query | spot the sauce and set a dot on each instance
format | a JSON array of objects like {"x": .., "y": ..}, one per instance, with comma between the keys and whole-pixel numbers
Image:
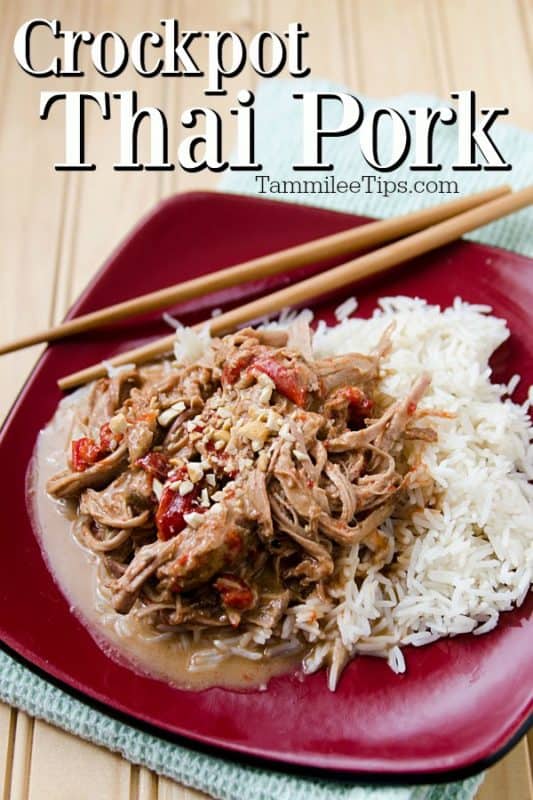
[{"x": 74, "y": 569}]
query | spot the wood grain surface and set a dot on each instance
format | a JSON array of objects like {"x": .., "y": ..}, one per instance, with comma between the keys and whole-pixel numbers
[{"x": 57, "y": 228}]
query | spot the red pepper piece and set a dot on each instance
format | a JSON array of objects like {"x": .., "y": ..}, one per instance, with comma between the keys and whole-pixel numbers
[
  {"x": 234, "y": 591},
  {"x": 285, "y": 379},
  {"x": 233, "y": 368},
  {"x": 84, "y": 452},
  {"x": 171, "y": 511},
  {"x": 155, "y": 464},
  {"x": 107, "y": 437}
]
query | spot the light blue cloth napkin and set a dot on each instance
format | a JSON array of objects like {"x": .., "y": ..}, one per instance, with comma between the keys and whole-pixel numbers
[
  {"x": 218, "y": 777},
  {"x": 278, "y": 145}
]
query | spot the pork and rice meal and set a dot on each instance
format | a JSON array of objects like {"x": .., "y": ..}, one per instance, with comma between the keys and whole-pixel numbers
[{"x": 278, "y": 493}]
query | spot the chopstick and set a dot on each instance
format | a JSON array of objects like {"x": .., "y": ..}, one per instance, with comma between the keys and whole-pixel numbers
[
  {"x": 333, "y": 246},
  {"x": 369, "y": 264}
]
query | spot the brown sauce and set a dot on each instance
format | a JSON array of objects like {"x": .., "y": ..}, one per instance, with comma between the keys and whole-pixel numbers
[{"x": 74, "y": 569}]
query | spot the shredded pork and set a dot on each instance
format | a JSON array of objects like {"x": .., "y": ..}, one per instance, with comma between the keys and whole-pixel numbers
[{"x": 221, "y": 493}]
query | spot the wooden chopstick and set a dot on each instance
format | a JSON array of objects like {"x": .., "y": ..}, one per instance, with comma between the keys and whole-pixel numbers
[
  {"x": 369, "y": 264},
  {"x": 338, "y": 244}
]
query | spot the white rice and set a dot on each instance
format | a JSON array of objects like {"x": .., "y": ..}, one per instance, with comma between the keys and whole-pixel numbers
[
  {"x": 346, "y": 309},
  {"x": 113, "y": 371},
  {"x": 467, "y": 561},
  {"x": 190, "y": 345}
]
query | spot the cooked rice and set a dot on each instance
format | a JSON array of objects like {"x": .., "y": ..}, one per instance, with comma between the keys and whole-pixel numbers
[
  {"x": 172, "y": 321},
  {"x": 346, "y": 309},
  {"x": 467, "y": 560}
]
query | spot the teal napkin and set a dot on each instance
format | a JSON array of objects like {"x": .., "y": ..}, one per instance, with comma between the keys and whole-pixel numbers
[
  {"x": 279, "y": 145},
  {"x": 219, "y": 777}
]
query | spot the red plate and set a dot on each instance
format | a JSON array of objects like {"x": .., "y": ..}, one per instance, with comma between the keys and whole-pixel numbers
[{"x": 462, "y": 702}]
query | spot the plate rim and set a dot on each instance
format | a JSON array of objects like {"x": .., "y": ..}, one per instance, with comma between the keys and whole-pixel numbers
[{"x": 236, "y": 754}]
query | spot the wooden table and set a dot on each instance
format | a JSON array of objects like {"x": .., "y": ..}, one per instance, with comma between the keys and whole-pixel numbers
[{"x": 57, "y": 228}]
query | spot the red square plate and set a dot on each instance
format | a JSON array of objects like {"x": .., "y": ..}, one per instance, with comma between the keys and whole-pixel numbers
[{"x": 462, "y": 703}]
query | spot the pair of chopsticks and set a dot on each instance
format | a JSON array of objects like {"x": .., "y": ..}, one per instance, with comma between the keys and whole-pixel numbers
[{"x": 423, "y": 231}]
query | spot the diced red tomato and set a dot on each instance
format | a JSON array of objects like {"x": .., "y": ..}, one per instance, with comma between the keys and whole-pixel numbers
[
  {"x": 155, "y": 464},
  {"x": 411, "y": 408},
  {"x": 234, "y": 591},
  {"x": 170, "y": 514},
  {"x": 285, "y": 379}
]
